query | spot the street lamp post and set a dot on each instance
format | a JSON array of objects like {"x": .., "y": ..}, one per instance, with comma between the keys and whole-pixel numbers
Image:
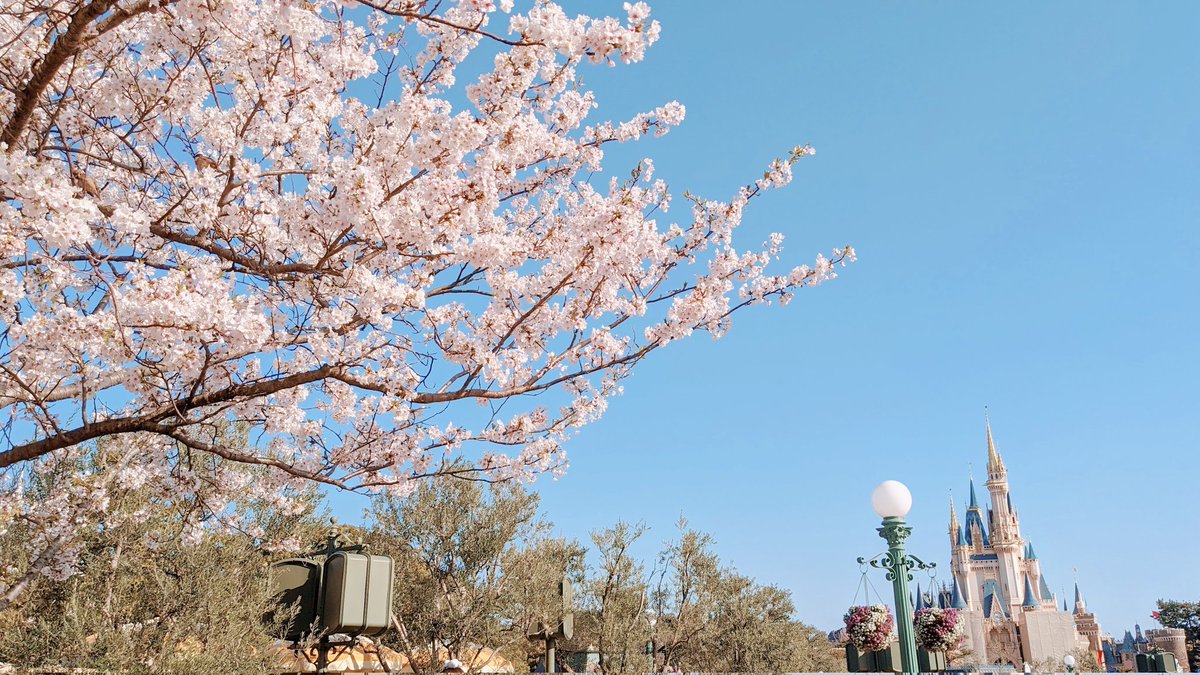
[
  {"x": 651, "y": 648},
  {"x": 892, "y": 501}
]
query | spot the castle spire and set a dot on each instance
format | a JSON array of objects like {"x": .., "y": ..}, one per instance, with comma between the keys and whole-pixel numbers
[
  {"x": 995, "y": 462},
  {"x": 953, "y": 516},
  {"x": 1080, "y": 605},
  {"x": 977, "y": 534},
  {"x": 1030, "y": 599},
  {"x": 956, "y": 598}
]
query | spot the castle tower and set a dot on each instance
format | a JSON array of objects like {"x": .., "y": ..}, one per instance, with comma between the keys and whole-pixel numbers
[
  {"x": 1005, "y": 526},
  {"x": 1086, "y": 625},
  {"x": 977, "y": 535},
  {"x": 1005, "y": 529},
  {"x": 1172, "y": 640}
]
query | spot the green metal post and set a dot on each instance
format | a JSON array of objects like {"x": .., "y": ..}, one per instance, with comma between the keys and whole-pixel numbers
[{"x": 895, "y": 531}]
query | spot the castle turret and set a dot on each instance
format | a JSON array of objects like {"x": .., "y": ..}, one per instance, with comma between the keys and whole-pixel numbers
[
  {"x": 1044, "y": 590},
  {"x": 1031, "y": 601},
  {"x": 1086, "y": 625},
  {"x": 1172, "y": 640},
  {"x": 977, "y": 534},
  {"x": 956, "y": 598}
]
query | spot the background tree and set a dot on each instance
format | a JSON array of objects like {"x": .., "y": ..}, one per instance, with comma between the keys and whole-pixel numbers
[
  {"x": 1085, "y": 662},
  {"x": 1185, "y": 615},
  {"x": 475, "y": 567},
  {"x": 684, "y": 599},
  {"x": 532, "y": 599},
  {"x": 709, "y": 618},
  {"x": 616, "y": 600},
  {"x": 813, "y": 652},
  {"x": 256, "y": 212},
  {"x": 753, "y": 626},
  {"x": 152, "y": 591}
]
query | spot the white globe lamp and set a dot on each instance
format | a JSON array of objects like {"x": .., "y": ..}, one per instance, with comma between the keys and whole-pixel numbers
[
  {"x": 1069, "y": 662},
  {"x": 891, "y": 499}
]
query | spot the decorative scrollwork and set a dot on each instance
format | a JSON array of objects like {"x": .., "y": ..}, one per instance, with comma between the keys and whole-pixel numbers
[{"x": 905, "y": 564}]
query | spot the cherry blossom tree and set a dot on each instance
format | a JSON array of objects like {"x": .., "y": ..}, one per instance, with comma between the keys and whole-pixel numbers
[{"x": 282, "y": 233}]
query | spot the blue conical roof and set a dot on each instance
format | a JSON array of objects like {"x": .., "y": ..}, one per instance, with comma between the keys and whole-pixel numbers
[
  {"x": 919, "y": 604},
  {"x": 1030, "y": 598},
  {"x": 956, "y": 598},
  {"x": 974, "y": 502},
  {"x": 962, "y": 540},
  {"x": 973, "y": 516},
  {"x": 1029, "y": 552}
]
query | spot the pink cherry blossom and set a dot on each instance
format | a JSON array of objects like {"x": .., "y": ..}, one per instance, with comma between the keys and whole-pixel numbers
[{"x": 248, "y": 247}]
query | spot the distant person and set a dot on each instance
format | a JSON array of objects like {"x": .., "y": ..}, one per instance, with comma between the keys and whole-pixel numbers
[{"x": 453, "y": 667}]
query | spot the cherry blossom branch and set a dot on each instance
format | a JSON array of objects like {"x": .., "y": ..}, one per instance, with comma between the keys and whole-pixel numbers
[{"x": 429, "y": 17}]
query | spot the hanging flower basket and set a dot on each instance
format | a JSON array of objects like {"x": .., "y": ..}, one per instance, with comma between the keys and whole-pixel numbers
[
  {"x": 937, "y": 630},
  {"x": 869, "y": 627}
]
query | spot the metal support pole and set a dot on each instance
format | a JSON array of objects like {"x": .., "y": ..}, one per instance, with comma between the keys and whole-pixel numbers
[
  {"x": 323, "y": 655},
  {"x": 550, "y": 660},
  {"x": 895, "y": 531}
]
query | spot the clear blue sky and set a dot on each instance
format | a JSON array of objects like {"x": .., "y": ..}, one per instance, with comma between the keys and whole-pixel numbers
[{"x": 1021, "y": 186}]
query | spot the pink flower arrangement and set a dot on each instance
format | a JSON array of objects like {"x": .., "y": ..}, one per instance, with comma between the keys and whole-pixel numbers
[
  {"x": 937, "y": 629},
  {"x": 869, "y": 627}
]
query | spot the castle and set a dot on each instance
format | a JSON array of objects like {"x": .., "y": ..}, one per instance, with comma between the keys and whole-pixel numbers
[
  {"x": 1121, "y": 656},
  {"x": 1009, "y": 614}
]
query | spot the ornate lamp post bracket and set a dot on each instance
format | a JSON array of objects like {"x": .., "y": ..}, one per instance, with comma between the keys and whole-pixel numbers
[{"x": 907, "y": 563}]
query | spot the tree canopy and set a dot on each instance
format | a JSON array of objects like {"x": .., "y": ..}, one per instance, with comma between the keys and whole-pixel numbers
[{"x": 477, "y": 567}]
